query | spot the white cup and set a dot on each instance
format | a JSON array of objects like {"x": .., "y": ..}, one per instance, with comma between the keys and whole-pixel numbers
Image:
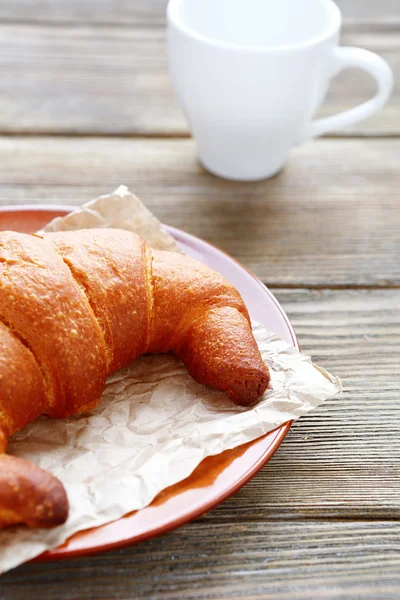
[{"x": 250, "y": 75}]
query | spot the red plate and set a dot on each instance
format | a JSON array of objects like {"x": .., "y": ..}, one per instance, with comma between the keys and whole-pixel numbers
[{"x": 217, "y": 477}]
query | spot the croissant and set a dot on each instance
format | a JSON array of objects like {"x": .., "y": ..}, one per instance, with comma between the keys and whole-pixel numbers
[{"x": 77, "y": 306}]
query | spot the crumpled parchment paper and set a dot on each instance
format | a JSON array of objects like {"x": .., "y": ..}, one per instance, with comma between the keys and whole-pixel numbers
[{"x": 153, "y": 424}]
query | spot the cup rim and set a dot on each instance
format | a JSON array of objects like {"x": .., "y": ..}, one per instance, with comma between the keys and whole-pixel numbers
[{"x": 174, "y": 18}]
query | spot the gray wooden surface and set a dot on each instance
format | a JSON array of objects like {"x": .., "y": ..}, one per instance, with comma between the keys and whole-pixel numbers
[
  {"x": 99, "y": 67},
  {"x": 86, "y": 104},
  {"x": 331, "y": 218}
]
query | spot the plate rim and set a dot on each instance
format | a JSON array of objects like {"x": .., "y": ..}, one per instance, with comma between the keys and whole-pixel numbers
[{"x": 280, "y": 432}]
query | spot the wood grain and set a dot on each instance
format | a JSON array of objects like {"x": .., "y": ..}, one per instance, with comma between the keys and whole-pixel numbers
[
  {"x": 322, "y": 519},
  {"x": 210, "y": 561},
  {"x": 84, "y": 80},
  {"x": 288, "y": 533},
  {"x": 343, "y": 460},
  {"x": 126, "y": 13},
  {"x": 139, "y": 13},
  {"x": 112, "y": 80},
  {"x": 331, "y": 218},
  {"x": 353, "y": 86}
]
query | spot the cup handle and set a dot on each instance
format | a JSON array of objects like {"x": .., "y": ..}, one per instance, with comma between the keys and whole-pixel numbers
[{"x": 346, "y": 57}]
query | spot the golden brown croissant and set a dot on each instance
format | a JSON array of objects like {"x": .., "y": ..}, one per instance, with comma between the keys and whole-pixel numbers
[{"x": 77, "y": 306}]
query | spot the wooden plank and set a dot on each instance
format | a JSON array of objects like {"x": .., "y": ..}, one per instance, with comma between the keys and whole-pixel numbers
[
  {"x": 81, "y": 80},
  {"x": 353, "y": 87},
  {"x": 369, "y": 12},
  {"x": 343, "y": 460},
  {"x": 152, "y": 12},
  {"x": 287, "y": 534},
  {"x": 139, "y": 13},
  {"x": 331, "y": 218},
  {"x": 274, "y": 560},
  {"x": 113, "y": 80}
]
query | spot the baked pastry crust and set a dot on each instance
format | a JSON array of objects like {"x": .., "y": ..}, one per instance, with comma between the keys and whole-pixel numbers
[{"x": 77, "y": 306}]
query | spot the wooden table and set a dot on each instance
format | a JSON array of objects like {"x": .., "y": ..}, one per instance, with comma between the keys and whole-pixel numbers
[{"x": 86, "y": 104}]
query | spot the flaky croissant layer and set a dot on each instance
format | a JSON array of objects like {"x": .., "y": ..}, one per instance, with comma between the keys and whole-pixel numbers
[{"x": 77, "y": 306}]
